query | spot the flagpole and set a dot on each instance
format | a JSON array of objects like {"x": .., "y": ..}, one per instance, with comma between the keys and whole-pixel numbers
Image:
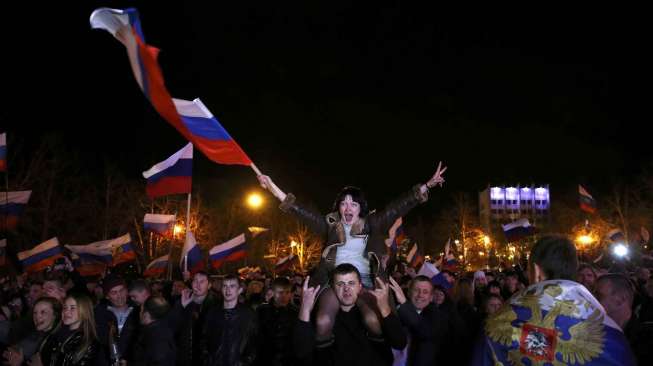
[
  {"x": 187, "y": 230},
  {"x": 255, "y": 169}
]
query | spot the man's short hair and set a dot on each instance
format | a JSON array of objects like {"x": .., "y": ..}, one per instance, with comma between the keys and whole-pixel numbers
[
  {"x": 201, "y": 273},
  {"x": 231, "y": 277},
  {"x": 619, "y": 285},
  {"x": 556, "y": 256},
  {"x": 281, "y": 282},
  {"x": 343, "y": 269},
  {"x": 139, "y": 285},
  {"x": 156, "y": 306},
  {"x": 583, "y": 266},
  {"x": 420, "y": 278}
]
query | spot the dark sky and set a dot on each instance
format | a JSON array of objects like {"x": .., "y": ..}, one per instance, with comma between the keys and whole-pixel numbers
[{"x": 326, "y": 94}]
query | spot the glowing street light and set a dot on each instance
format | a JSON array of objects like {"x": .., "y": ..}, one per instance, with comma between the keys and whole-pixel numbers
[
  {"x": 254, "y": 200},
  {"x": 486, "y": 240},
  {"x": 178, "y": 229},
  {"x": 584, "y": 239},
  {"x": 620, "y": 250}
]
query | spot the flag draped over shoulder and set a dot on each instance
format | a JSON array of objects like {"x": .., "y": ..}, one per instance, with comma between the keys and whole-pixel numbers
[
  {"x": 41, "y": 256},
  {"x": 191, "y": 118},
  {"x": 12, "y": 205},
  {"x": 555, "y": 322},
  {"x": 171, "y": 176}
]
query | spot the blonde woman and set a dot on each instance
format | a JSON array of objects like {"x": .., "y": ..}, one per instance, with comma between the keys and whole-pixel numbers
[{"x": 75, "y": 342}]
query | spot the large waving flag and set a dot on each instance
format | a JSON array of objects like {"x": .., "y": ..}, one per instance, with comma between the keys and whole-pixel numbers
[
  {"x": 554, "y": 322},
  {"x": 41, "y": 256},
  {"x": 111, "y": 252},
  {"x": 157, "y": 267},
  {"x": 12, "y": 205},
  {"x": 229, "y": 251},
  {"x": 587, "y": 202},
  {"x": 3, "y": 152},
  {"x": 163, "y": 225},
  {"x": 191, "y": 118},
  {"x": 171, "y": 176},
  {"x": 517, "y": 230},
  {"x": 192, "y": 254}
]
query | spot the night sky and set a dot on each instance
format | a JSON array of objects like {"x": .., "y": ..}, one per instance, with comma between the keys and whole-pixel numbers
[{"x": 329, "y": 94}]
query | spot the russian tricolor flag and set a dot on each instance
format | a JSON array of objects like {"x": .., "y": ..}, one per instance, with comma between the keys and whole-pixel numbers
[
  {"x": 88, "y": 265},
  {"x": 517, "y": 230},
  {"x": 41, "y": 256},
  {"x": 587, "y": 202},
  {"x": 229, "y": 251},
  {"x": 191, "y": 118},
  {"x": 171, "y": 176},
  {"x": 192, "y": 253},
  {"x": 396, "y": 235},
  {"x": 96, "y": 252},
  {"x": 163, "y": 225},
  {"x": 3, "y": 152},
  {"x": 123, "y": 251},
  {"x": 157, "y": 267},
  {"x": 12, "y": 205}
]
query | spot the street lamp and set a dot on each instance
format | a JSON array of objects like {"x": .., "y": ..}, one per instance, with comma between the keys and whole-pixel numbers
[
  {"x": 178, "y": 229},
  {"x": 254, "y": 200}
]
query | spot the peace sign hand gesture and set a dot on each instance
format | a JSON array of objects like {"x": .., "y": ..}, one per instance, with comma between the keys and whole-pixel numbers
[{"x": 437, "y": 178}]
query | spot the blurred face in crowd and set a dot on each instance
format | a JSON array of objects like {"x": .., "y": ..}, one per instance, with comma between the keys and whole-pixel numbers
[
  {"x": 177, "y": 288},
  {"x": 421, "y": 294},
  {"x": 347, "y": 287},
  {"x": 451, "y": 279},
  {"x": 493, "y": 305},
  {"x": 489, "y": 278},
  {"x": 139, "y": 296},
  {"x": 438, "y": 296},
  {"x": 481, "y": 282},
  {"x": 70, "y": 316},
  {"x": 281, "y": 296},
  {"x": 643, "y": 275},
  {"x": 53, "y": 289},
  {"x": 587, "y": 278},
  {"x": 494, "y": 290},
  {"x": 98, "y": 291},
  {"x": 118, "y": 296},
  {"x": 269, "y": 295},
  {"x": 298, "y": 280},
  {"x": 616, "y": 305},
  {"x": 231, "y": 290},
  {"x": 35, "y": 291},
  {"x": 349, "y": 210},
  {"x": 511, "y": 283},
  {"x": 216, "y": 284},
  {"x": 43, "y": 316},
  {"x": 200, "y": 285}
]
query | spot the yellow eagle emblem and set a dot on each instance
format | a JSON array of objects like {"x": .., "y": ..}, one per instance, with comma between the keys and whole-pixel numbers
[{"x": 539, "y": 338}]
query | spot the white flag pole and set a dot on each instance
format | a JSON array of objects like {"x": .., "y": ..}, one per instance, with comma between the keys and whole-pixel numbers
[{"x": 187, "y": 230}]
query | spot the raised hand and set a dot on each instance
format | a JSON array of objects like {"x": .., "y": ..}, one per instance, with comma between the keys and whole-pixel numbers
[
  {"x": 269, "y": 185},
  {"x": 381, "y": 294},
  {"x": 437, "y": 178},
  {"x": 399, "y": 293},
  {"x": 186, "y": 297},
  {"x": 308, "y": 300}
]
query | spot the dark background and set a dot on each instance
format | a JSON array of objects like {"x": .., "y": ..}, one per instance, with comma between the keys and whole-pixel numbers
[{"x": 325, "y": 94}]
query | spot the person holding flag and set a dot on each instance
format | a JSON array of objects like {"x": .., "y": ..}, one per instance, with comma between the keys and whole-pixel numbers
[{"x": 352, "y": 235}]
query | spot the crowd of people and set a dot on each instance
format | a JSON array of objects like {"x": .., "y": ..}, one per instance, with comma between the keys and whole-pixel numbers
[
  {"x": 358, "y": 306},
  {"x": 61, "y": 318}
]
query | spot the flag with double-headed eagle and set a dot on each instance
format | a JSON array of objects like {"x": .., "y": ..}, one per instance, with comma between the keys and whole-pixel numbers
[{"x": 554, "y": 322}]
